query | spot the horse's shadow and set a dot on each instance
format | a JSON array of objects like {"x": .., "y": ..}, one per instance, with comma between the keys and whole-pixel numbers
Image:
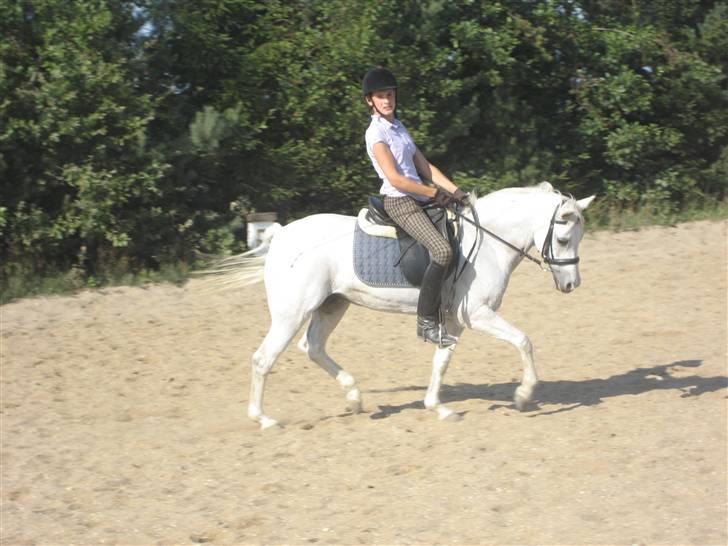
[{"x": 570, "y": 395}]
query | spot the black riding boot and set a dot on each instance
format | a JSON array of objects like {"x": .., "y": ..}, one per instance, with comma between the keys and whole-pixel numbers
[{"x": 428, "y": 307}]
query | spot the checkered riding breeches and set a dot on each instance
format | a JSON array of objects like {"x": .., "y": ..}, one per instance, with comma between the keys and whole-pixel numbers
[{"x": 408, "y": 214}]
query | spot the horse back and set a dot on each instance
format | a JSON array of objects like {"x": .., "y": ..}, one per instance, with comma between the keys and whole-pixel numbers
[{"x": 318, "y": 238}]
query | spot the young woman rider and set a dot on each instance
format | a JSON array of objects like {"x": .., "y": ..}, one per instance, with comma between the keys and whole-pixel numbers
[{"x": 401, "y": 165}]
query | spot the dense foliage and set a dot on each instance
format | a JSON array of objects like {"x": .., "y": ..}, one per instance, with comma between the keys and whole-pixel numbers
[{"x": 137, "y": 132}]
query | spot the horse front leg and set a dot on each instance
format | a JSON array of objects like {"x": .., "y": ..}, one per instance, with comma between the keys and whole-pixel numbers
[
  {"x": 440, "y": 362},
  {"x": 488, "y": 321}
]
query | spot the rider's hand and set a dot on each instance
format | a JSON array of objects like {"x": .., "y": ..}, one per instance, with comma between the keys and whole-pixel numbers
[
  {"x": 462, "y": 198},
  {"x": 443, "y": 199}
]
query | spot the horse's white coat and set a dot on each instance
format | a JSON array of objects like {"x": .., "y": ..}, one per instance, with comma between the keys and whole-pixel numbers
[{"x": 309, "y": 274}]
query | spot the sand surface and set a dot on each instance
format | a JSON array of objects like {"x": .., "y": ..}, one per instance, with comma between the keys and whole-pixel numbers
[{"x": 123, "y": 416}]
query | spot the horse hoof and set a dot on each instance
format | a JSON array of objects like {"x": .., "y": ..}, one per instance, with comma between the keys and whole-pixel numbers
[
  {"x": 355, "y": 406},
  {"x": 267, "y": 423},
  {"x": 453, "y": 418},
  {"x": 524, "y": 404},
  {"x": 446, "y": 414}
]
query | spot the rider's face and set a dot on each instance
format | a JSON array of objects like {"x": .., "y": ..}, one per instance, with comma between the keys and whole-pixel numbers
[{"x": 384, "y": 101}]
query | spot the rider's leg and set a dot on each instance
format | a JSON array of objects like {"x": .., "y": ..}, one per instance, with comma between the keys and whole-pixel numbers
[
  {"x": 410, "y": 217},
  {"x": 428, "y": 307}
]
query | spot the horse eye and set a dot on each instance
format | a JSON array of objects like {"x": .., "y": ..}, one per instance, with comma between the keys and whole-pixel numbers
[{"x": 563, "y": 240}]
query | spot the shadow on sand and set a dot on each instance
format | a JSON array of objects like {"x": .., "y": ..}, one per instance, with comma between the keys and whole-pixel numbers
[{"x": 572, "y": 394}]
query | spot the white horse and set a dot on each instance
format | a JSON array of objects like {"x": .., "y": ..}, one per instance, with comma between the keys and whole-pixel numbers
[{"x": 308, "y": 271}]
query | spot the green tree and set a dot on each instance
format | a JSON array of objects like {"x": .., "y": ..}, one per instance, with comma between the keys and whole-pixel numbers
[
  {"x": 652, "y": 111},
  {"x": 76, "y": 175},
  {"x": 141, "y": 131}
]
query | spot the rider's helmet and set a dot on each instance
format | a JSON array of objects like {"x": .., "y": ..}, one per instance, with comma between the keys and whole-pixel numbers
[{"x": 377, "y": 79}]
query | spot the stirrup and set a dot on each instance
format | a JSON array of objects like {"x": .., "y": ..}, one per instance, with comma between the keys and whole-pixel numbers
[{"x": 431, "y": 330}]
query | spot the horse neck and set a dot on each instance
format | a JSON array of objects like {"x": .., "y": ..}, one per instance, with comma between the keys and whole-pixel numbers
[{"x": 514, "y": 215}]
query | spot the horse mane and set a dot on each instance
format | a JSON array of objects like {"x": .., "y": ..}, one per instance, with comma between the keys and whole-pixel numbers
[{"x": 544, "y": 187}]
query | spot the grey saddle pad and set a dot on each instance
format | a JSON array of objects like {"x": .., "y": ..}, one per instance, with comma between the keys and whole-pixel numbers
[{"x": 375, "y": 259}]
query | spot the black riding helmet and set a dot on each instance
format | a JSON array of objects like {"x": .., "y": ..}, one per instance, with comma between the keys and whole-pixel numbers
[{"x": 377, "y": 79}]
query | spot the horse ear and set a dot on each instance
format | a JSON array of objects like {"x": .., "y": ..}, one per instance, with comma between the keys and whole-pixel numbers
[{"x": 581, "y": 204}]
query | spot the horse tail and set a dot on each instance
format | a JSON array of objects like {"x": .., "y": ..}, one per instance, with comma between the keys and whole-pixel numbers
[
  {"x": 242, "y": 269},
  {"x": 265, "y": 240}
]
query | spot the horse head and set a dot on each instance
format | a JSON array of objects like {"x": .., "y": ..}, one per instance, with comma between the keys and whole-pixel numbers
[{"x": 559, "y": 238}]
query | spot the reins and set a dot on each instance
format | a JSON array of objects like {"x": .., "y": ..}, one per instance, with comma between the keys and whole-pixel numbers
[
  {"x": 477, "y": 224},
  {"x": 546, "y": 252}
]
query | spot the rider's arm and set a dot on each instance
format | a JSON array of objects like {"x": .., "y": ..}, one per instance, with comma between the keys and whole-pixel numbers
[
  {"x": 386, "y": 162},
  {"x": 430, "y": 172}
]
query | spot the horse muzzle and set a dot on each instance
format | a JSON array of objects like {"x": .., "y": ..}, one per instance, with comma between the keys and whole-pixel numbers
[{"x": 567, "y": 283}]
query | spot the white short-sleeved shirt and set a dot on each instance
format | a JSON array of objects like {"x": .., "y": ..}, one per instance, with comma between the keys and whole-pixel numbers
[{"x": 403, "y": 149}]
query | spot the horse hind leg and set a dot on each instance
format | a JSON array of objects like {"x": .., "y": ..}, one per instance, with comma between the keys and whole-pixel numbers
[
  {"x": 313, "y": 343},
  {"x": 275, "y": 342}
]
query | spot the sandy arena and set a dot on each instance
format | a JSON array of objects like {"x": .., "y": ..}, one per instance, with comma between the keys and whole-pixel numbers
[{"x": 124, "y": 416}]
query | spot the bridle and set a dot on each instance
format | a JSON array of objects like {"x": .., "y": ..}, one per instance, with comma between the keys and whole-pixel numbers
[{"x": 547, "y": 252}]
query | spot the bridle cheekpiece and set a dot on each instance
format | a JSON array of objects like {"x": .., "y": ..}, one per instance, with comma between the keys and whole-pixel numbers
[{"x": 547, "y": 252}]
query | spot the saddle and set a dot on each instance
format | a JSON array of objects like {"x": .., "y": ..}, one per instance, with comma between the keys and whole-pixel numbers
[{"x": 411, "y": 257}]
